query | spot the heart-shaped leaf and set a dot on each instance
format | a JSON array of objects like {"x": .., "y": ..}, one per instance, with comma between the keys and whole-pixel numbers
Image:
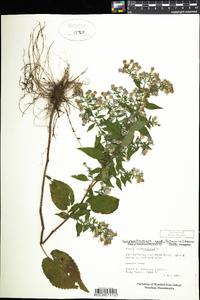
[
  {"x": 62, "y": 271},
  {"x": 62, "y": 194},
  {"x": 103, "y": 204}
]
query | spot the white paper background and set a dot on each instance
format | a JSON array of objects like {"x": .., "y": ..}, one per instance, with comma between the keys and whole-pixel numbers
[{"x": 168, "y": 199}]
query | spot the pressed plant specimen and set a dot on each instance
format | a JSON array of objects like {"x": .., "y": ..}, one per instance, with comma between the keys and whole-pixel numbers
[
  {"x": 122, "y": 128},
  {"x": 38, "y": 82}
]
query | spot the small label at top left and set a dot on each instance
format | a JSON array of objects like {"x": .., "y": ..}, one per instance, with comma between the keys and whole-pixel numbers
[{"x": 77, "y": 30}]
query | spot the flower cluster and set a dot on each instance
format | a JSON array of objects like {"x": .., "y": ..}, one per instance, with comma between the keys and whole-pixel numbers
[
  {"x": 123, "y": 125},
  {"x": 167, "y": 87},
  {"x": 116, "y": 141},
  {"x": 124, "y": 132},
  {"x": 119, "y": 115},
  {"x": 104, "y": 233},
  {"x": 79, "y": 104},
  {"x": 152, "y": 79},
  {"x": 109, "y": 149},
  {"x": 105, "y": 189},
  {"x": 144, "y": 142},
  {"x": 78, "y": 90},
  {"x": 85, "y": 119},
  {"x": 134, "y": 66},
  {"x": 137, "y": 174}
]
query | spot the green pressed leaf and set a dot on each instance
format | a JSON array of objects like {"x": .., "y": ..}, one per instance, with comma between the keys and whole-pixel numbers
[
  {"x": 100, "y": 147},
  {"x": 145, "y": 119},
  {"x": 108, "y": 182},
  {"x": 118, "y": 183},
  {"x": 87, "y": 215},
  {"x": 112, "y": 127},
  {"x": 152, "y": 106},
  {"x": 88, "y": 112},
  {"x": 96, "y": 170},
  {"x": 83, "y": 205},
  {"x": 48, "y": 177},
  {"x": 103, "y": 204},
  {"x": 63, "y": 215},
  {"x": 119, "y": 165},
  {"x": 128, "y": 179},
  {"x": 100, "y": 116},
  {"x": 112, "y": 169},
  {"x": 114, "y": 136},
  {"x": 80, "y": 213},
  {"x": 142, "y": 118},
  {"x": 94, "y": 107},
  {"x": 97, "y": 140},
  {"x": 86, "y": 227},
  {"x": 62, "y": 194},
  {"x": 81, "y": 177},
  {"x": 144, "y": 131},
  {"x": 139, "y": 125},
  {"x": 80, "y": 208},
  {"x": 62, "y": 271},
  {"x": 105, "y": 172},
  {"x": 137, "y": 82},
  {"x": 98, "y": 177},
  {"x": 93, "y": 152},
  {"x": 123, "y": 179},
  {"x": 130, "y": 152},
  {"x": 74, "y": 207},
  {"x": 126, "y": 141},
  {"x": 91, "y": 127},
  {"x": 148, "y": 148},
  {"x": 79, "y": 228},
  {"x": 90, "y": 193}
]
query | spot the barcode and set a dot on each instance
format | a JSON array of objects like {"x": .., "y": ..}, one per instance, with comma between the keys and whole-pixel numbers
[{"x": 105, "y": 292}]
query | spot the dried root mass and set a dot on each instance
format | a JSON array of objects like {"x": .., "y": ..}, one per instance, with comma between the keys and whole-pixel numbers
[{"x": 38, "y": 81}]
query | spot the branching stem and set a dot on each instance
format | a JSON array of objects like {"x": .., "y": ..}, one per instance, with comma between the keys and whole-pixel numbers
[
  {"x": 50, "y": 134},
  {"x": 70, "y": 215}
]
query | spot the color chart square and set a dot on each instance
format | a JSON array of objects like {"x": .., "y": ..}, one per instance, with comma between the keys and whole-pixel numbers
[{"x": 118, "y": 7}]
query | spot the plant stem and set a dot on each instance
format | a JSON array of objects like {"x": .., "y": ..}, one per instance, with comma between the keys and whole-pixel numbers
[
  {"x": 50, "y": 133},
  {"x": 74, "y": 132},
  {"x": 70, "y": 215},
  {"x": 44, "y": 174}
]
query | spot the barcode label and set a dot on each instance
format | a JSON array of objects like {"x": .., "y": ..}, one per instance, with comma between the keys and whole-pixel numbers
[{"x": 105, "y": 292}]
